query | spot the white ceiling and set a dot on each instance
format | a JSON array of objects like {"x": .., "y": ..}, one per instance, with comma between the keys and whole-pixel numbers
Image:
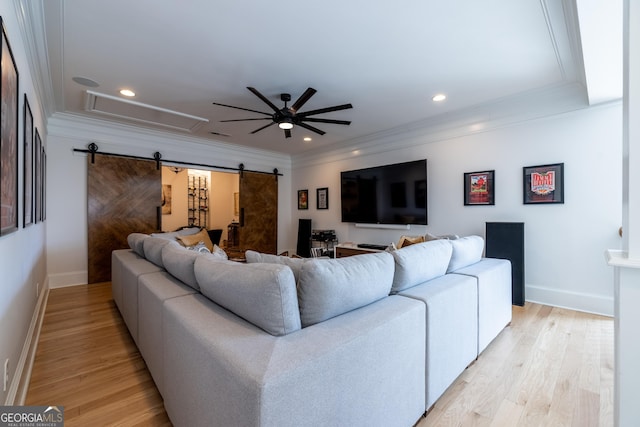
[{"x": 387, "y": 59}]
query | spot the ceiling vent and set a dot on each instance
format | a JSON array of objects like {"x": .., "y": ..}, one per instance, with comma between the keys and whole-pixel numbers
[{"x": 131, "y": 110}]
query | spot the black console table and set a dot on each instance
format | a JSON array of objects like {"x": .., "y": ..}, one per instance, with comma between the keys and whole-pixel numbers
[{"x": 506, "y": 240}]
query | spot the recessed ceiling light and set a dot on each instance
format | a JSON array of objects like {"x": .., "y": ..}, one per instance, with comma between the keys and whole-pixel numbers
[
  {"x": 307, "y": 139},
  {"x": 127, "y": 92},
  {"x": 85, "y": 81},
  {"x": 439, "y": 97}
]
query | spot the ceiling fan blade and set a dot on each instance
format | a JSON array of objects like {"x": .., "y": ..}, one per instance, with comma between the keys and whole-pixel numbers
[
  {"x": 287, "y": 133},
  {"x": 311, "y": 128},
  {"x": 218, "y": 133},
  {"x": 263, "y": 127},
  {"x": 336, "y": 122},
  {"x": 325, "y": 110},
  {"x": 263, "y": 98},
  {"x": 244, "y": 120},
  {"x": 303, "y": 98},
  {"x": 240, "y": 108}
]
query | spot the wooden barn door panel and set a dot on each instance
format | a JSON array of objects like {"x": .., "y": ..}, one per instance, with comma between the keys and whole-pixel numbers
[
  {"x": 258, "y": 212},
  {"x": 123, "y": 196}
]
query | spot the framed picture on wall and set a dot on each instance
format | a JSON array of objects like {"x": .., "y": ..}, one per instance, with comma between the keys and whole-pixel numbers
[
  {"x": 322, "y": 198},
  {"x": 28, "y": 165},
  {"x": 303, "y": 199},
  {"x": 543, "y": 184},
  {"x": 479, "y": 188},
  {"x": 37, "y": 180},
  {"x": 8, "y": 138}
]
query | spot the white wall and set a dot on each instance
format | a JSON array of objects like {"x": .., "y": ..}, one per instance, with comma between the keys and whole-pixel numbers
[
  {"x": 221, "y": 205},
  {"x": 22, "y": 256},
  {"x": 179, "y": 199},
  {"x": 564, "y": 244}
]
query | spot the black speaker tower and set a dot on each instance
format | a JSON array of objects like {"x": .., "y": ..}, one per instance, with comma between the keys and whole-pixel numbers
[
  {"x": 304, "y": 238},
  {"x": 506, "y": 240}
]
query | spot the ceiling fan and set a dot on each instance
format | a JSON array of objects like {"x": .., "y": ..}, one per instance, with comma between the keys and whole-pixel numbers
[{"x": 286, "y": 117}]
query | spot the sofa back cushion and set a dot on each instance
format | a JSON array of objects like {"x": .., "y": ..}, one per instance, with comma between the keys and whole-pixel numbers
[
  {"x": 419, "y": 263},
  {"x": 466, "y": 251},
  {"x": 294, "y": 263},
  {"x": 172, "y": 235},
  {"x": 153, "y": 249},
  {"x": 263, "y": 294},
  {"x": 331, "y": 287},
  {"x": 179, "y": 262},
  {"x": 136, "y": 242}
]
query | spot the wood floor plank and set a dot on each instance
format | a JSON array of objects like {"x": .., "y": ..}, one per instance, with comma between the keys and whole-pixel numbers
[{"x": 551, "y": 367}]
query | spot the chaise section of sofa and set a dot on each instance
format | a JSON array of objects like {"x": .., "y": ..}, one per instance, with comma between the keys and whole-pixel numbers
[{"x": 362, "y": 368}]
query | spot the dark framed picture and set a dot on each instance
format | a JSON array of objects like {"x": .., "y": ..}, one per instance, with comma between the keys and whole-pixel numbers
[
  {"x": 37, "y": 180},
  {"x": 303, "y": 199},
  {"x": 322, "y": 198},
  {"x": 28, "y": 164},
  {"x": 479, "y": 188},
  {"x": 543, "y": 184},
  {"x": 8, "y": 138},
  {"x": 44, "y": 184}
]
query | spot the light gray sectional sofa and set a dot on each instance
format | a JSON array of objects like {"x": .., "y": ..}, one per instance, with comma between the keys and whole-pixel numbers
[{"x": 369, "y": 340}]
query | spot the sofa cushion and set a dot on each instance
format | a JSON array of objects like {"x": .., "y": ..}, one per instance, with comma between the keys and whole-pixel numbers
[
  {"x": 194, "y": 239},
  {"x": 466, "y": 251},
  {"x": 419, "y": 263},
  {"x": 331, "y": 287},
  {"x": 263, "y": 294},
  {"x": 294, "y": 263},
  {"x": 153, "y": 249},
  {"x": 179, "y": 262},
  {"x": 136, "y": 242},
  {"x": 171, "y": 235}
]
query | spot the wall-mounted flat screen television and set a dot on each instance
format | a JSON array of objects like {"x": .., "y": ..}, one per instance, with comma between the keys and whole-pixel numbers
[{"x": 389, "y": 194}]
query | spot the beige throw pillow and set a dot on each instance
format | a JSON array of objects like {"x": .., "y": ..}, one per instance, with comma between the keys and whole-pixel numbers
[
  {"x": 409, "y": 240},
  {"x": 194, "y": 239}
]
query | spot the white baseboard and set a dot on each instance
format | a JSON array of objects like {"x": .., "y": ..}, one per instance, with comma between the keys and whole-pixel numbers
[
  {"x": 72, "y": 278},
  {"x": 589, "y": 303},
  {"x": 17, "y": 393}
]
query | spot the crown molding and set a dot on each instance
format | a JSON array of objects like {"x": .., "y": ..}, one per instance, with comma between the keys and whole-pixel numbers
[{"x": 508, "y": 111}]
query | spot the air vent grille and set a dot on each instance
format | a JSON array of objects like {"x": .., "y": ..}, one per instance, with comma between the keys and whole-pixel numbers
[{"x": 131, "y": 110}]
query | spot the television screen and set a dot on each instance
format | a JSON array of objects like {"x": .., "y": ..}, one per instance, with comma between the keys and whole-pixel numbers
[{"x": 390, "y": 194}]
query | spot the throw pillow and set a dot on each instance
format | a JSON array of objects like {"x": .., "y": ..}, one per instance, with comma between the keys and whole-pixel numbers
[
  {"x": 330, "y": 287},
  {"x": 200, "y": 247},
  {"x": 466, "y": 251},
  {"x": 218, "y": 252},
  {"x": 194, "y": 239},
  {"x": 409, "y": 240}
]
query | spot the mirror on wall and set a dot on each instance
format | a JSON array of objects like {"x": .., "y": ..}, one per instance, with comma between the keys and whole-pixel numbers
[{"x": 198, "y": 197}]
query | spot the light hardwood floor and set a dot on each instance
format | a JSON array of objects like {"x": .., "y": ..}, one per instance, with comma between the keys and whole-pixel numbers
[{"x": 550, "y": 367}]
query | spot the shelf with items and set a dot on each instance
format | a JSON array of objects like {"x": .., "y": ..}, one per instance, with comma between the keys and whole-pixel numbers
[{"x": 198, "y": 194}]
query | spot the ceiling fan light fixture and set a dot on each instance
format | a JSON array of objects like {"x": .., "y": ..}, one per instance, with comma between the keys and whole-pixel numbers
[{"x": 286, "y": 124}]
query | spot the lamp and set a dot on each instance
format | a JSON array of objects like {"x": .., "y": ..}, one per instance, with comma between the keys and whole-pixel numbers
[
  {"x": 286, "y": 123},
  {"x": 176, "y": 169}
]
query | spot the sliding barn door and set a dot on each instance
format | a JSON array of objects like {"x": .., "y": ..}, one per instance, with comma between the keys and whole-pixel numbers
[
  {"x": 258, "y": 212},
  {"x": 123, "y": 196}
]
